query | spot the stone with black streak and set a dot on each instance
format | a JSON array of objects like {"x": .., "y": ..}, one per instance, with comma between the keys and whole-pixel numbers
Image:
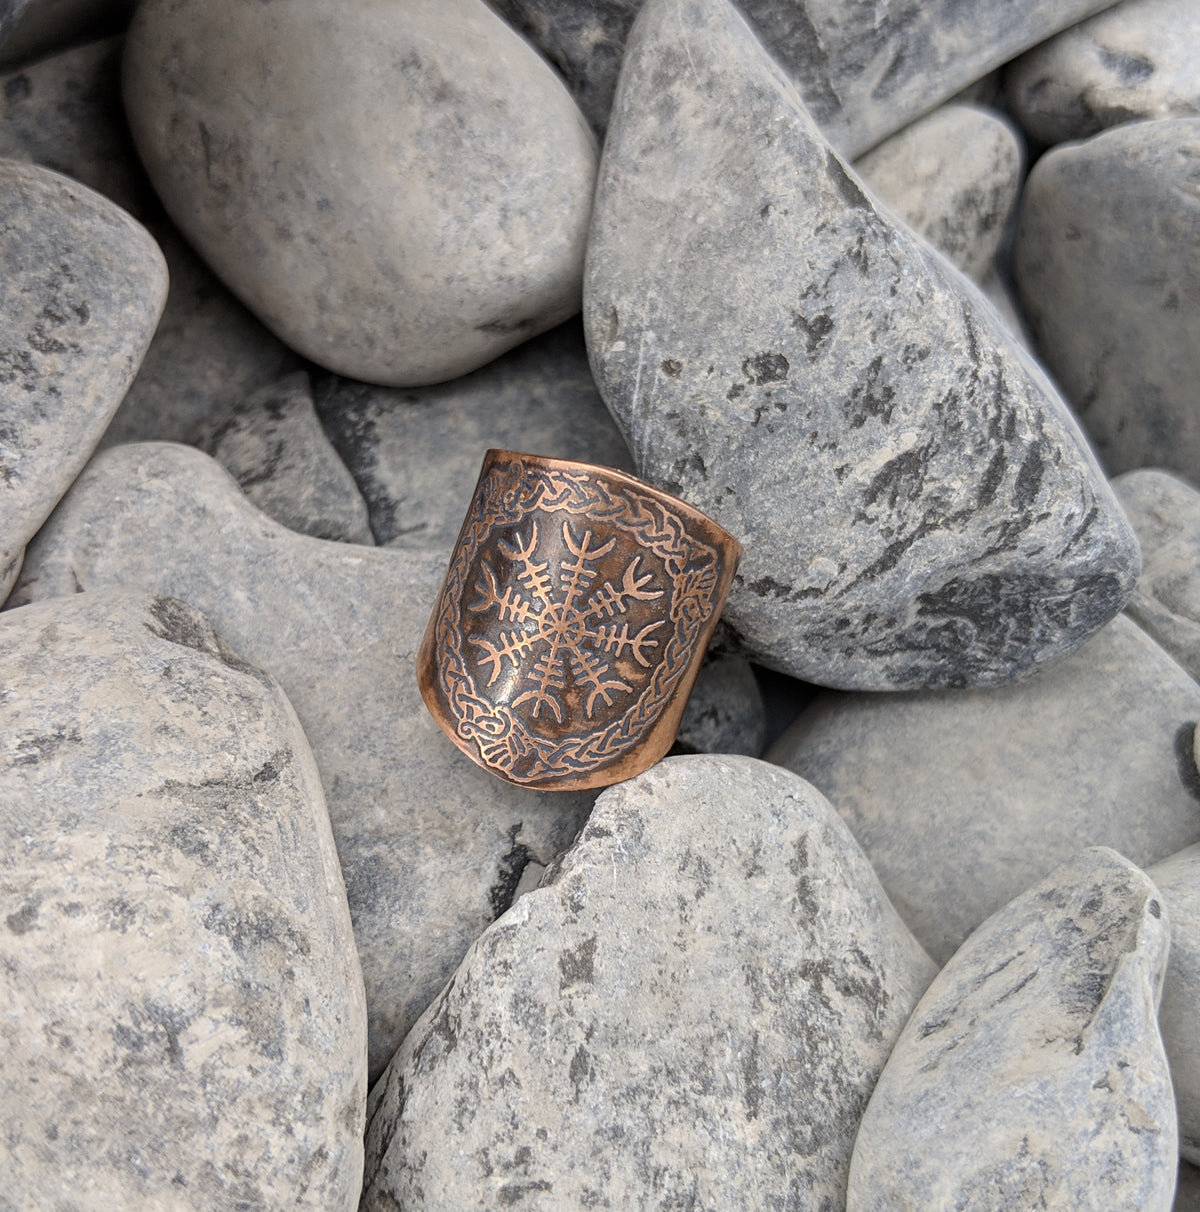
[
  {"x": 1032, "y": 1074},
  {"x": 917, "y": 506},
  {"x": 431, "y": 846},
  {"x": 181, "y": 1016},
  {"x": 690, "y": 1012}
]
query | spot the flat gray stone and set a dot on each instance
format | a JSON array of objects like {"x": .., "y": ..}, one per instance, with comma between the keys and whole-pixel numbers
[
  {"x": 689, "y": 1013},
  {"x": 1108, "y": 269},
  {"x": 82, "y": 286},
  {"x": 1178, "y": 879},
  {"x": 916, "y": 503},
  {"x": 726, "y": 713},
  {"x": 274, "y": 446},
  {"x": 416, "y": 453},
  {"x": 431, "y": 845},
  {"x": 962, "y": 801},
  {"x": 401, "y": 198},
  {"x": 181, "y": 1017},
  {"x": 1165, "y": 512},
  {"x": 954, "y": 177},
  {"x": 1136, "y": 60},
  {"x": 1031, "y": 1074}
]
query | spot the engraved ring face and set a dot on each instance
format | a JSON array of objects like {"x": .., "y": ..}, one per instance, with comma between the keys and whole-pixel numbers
[{"x": 572, "y": 621}]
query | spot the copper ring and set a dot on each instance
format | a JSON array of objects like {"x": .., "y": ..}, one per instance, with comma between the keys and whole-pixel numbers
[{"x": 572, "y": 621}]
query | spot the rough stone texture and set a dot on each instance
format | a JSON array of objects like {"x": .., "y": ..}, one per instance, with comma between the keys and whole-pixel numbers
[
  {"x": 1107, "y": 260},
  {"x": 1178, "y": 879},
  {"x": 1136, "y": 60},
  {"x": 864, "y": 69},
  {"x": 416, "y": 454},
  {"x": 1165, "y": 512},
  {"x": 725, "y": 713},
  {"x": 962, "y": 801},
  {"x": 81, "y": 288},
  {"x": 1032, "y": 1074},
  {"x": 181, "y": 1016},
  {"x": 37, "y": 27},
  {"x": 954, "y": 177},
  {"x": 689, "y": 1013},
  {"x": 274, "y": 446},
  {"x": 431, "y": 845},
  {"x": 403, "y": 197},
  {"x": 917, "y": 505}
]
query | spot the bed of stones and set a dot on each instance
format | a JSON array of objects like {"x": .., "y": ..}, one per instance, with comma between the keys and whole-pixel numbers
[{"x": 911, "y": 918}]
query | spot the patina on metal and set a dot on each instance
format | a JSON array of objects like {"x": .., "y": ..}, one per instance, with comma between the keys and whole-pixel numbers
[{"x": 570, "y": 627}]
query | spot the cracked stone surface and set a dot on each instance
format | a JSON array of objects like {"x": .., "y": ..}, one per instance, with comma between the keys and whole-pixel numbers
[
  {"x": 1032, "y": 1074},
  {"x": 431, "y": 846},
  {"x": 1108, "y": 268},
  {"x": 689, "y": 1012},
  {"x": 82, "y": 285},
  {"x": 181, "y": 1017},
  {"x": 403, "y": 197},
  {"x": 917, "y": 505},
  {"x": 963, "y": 800}
]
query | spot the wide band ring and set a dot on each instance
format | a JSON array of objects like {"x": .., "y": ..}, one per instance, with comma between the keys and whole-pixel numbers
[{"x": 572, "y": 621}]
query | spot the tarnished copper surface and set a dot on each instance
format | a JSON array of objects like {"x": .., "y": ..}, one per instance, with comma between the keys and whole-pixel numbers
[{"x": 572, "y": 621}]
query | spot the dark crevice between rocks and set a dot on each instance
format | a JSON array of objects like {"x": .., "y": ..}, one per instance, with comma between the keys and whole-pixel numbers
[
  {"x": 509, "y": 870},
  {"x": 1185, "y": 759}
]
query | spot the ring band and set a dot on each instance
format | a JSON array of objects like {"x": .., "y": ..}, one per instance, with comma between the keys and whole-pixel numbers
[{"x": 572, "y": 622}]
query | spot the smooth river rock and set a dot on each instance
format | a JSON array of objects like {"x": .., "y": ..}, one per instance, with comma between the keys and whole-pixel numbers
[
  {"x": 726, "y": 713},
  {"x": 689, "y": 1013},
  {"x": 1031, "y": 1074},
  {"x": 1136, "y": 60},
  {"x": 431, "y": 846},
  {"x": 1107, "y": 261},
  {"x": 401, "y": 198},
  {"x": 182, "y": 1022},
  {"x": 1165, "y": 512},
  {"x": 82, "y": 285},
  {"x": 963, "y": 800},
  {"x": 917, "y": 505}
]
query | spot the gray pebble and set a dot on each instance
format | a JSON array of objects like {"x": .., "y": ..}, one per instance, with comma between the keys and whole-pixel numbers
[
  {"x": 689, "y": 1013},
  {"x": 1031, "y": 1074},
  {"x": 917, "y": 505},
  {"x": 725, "y": 713}
]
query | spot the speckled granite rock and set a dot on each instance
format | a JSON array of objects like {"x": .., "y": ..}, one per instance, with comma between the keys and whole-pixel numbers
[
  {"x": 1135, "y": 60},
  {"x": 1108, "y": 265},
  {"x": 274, "y": 446},
  {"x": 962, "y": 801},
  {"x": 725, "y": 713},
  {"x": 81, "y": 288},
  {"x": 431, "y": 845},
  {"x": 416, "y": 454},
  {"x": 181, "y": 1016},
  {"x": 917, "y": 505},
  {"x": 690, "y": 1013},
  {"x": 1032, "y": 1074},
  {"x": 403, "y": 197},
  {"x": 1178, "y": 879},
  {"x": 954, "y": 177}
]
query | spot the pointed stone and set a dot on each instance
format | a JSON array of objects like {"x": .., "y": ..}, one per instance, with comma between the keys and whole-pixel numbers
[
  {"x": 431, "y": 845},
  {"x": 689, "y": 1013},
  {"x": 1032, "y": 1074},
  {"x": 917, "y": 506}
]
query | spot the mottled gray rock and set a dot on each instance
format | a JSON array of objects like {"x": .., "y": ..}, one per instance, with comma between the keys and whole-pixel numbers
[
  {"x": 81, "y": 288},
  {"x": 689, "y": 1013},
  {"x": 181, "y": 1016},
  {"x": 1031, "y": 1074},
  {"x": 1165, "y": 512},
  {"x": 998, "y": 291},
  {"x": 864, "y": 70},
  {"x": 962, "y": 801},
  {"x": 431, "y": 845},
  {"x": 274, "y": 446},
  {"x": 725, "y": 713},
  {"x": 916, "y": 503},
  {"x": 1136, "y": 60},
  {"x": 1108, "y": 266},
  {"x": 1178, "y": 879},
  {"x": 401, "y": 198},
  {"x": 416, "y": 454},
  {"x": 954, "y": 177},
  {"x": 37, "y": 27}
]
